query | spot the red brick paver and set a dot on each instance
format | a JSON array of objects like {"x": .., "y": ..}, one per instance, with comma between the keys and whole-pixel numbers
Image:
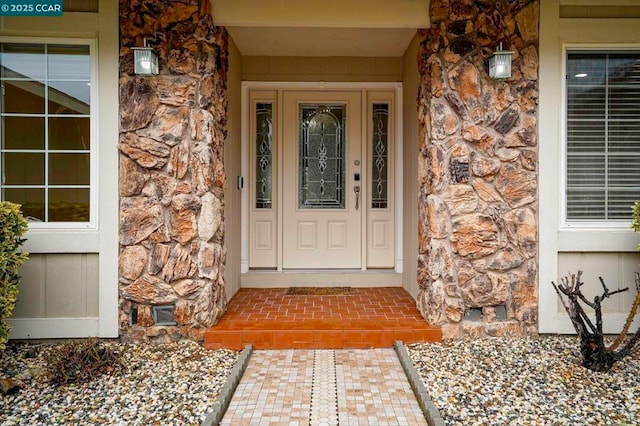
[{"x": 367, "y": 318}]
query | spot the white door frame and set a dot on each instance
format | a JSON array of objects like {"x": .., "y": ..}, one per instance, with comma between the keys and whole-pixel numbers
[{"x": 247, "y": 86}]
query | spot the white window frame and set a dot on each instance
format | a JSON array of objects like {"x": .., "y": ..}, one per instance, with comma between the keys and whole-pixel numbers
[
  {"x": 565, "y": 223},
  {"x": 42, "y": 228}
]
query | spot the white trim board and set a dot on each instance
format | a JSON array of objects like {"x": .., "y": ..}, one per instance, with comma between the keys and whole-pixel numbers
[
  {"x": 323, "y": 278},
  {"x": 247, "y": 86},
  {"x": 55, "y": 328}
]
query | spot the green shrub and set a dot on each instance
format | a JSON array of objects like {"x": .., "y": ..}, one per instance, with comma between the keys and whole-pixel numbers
[
  {"x": 80, "y": 361},
  {"x": 635, "y": 218},
  {"x": 12, "y": 228}
]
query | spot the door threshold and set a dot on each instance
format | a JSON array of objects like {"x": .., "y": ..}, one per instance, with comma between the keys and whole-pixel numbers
[{"x": 265, "y": 278}]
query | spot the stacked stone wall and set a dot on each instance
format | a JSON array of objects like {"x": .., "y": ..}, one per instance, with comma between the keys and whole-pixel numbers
[
  {"x": 477, "y": 263},
  {"x": 172, "y": 132}
]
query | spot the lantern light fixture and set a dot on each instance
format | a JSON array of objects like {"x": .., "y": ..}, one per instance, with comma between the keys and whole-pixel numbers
[
  {"x": 500, "y": 64},
  {"x": 145, "y": 60}
]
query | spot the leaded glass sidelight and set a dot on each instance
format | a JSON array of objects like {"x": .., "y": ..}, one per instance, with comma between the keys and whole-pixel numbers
[
  {"x": 264, "y": 155},
  {"x": 380, "y": 157},
  {"x": 321, "y": 156}
]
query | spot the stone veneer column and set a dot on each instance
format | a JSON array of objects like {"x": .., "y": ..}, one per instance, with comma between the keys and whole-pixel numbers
[
  {"x": 172, "y": 131},
  {"x": 477, "y": 169}
]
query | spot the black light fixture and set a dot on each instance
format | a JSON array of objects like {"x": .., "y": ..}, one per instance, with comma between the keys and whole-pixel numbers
[
  {"x": 145, "y": 60},
  {"x": 500, "y": 64}
]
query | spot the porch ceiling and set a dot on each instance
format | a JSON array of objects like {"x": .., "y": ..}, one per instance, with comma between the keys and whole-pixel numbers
[
  {"x": 326, "y": 28},
  {"x": 287, "y": 41}
]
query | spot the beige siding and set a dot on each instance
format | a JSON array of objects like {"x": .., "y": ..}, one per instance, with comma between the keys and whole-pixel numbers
[
  {"x": 305, "y": 68},
  {"x": 58, "y": 286},
  {"x": 232, "y": 162},
  {"x": 616, "y": 269},
  {"x": 605, "y": 251},
  {"x": 410, "y": 165}
]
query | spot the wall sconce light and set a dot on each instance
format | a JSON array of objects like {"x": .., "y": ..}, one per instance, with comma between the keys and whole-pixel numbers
[
  {"x": 500, "y": 64},
  {"x": 145, "y": 60}
]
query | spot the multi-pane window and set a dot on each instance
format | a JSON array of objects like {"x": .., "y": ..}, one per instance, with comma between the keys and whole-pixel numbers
[
  {"x": 45, "y": 130},
  {"x": 603, "y": 135}
]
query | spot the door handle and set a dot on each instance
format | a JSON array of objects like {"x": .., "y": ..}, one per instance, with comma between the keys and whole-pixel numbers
[{"x": 356, "y": 189}]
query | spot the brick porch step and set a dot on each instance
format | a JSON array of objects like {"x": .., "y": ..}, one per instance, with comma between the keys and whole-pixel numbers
[{"x": 368, "y": 318}]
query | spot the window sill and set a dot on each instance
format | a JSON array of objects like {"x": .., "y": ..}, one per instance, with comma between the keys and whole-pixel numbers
[
  {"x": 597, "y": 239},
  {"x": 62, "y": 241}
]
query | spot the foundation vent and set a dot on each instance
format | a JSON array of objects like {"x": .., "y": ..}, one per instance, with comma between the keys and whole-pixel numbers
[{"x": 163, "y": 315}]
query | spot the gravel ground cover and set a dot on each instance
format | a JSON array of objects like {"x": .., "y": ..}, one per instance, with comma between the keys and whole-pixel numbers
[
  {"x": 540, "y": 381},
  {"x": 172, "y": 384}
]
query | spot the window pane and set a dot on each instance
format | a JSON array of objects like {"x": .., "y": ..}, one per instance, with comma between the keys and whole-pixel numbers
[
  {"x": 603, "y": 135},
  {"x": 23, "y": 133},
  {"x": 321, "y": 158},
  {"x": 23, "y": 97},
  {"x": 69, "y": 97},
  {"x": 586, "y": 69},
  {"x": 586, "y": 78},
  {"x": 624, "y": 137},
  {"x": 69, "y": 133},
  {"x": 22, "y": 61},
  {"x": 586, "y": 103},
  {"x": 69, "y": 62},
  {"x": 264, "y": 155},
  {"x": 69, "y": 169},
  {"x": 380, "y": 156},
  {"x": 586, "y": 204},
  {"x": 585, "y": 170},
  {"x": 69, "y": 205},
  {"x": 585, "y": 137},
  {"x": 23, "y": 169},
  {"x": 31, "y": 200},
  {"x": 623, "y": 69},
  {"x": 620, "y": 203}
]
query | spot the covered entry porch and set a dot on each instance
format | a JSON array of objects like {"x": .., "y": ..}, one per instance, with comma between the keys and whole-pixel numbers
[
  {"x": 463, "y": 199},
  {"x": 296, "y": 57}
]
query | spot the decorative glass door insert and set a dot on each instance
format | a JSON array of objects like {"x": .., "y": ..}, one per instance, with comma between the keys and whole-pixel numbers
[
  {"x": 321, "y": 156},
  {"x": 264, "y": 155},
  {"x": 380, "y": 156}
]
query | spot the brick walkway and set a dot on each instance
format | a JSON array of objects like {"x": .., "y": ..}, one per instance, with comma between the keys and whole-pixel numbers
[
  {"x": 369, "y": 317},
  {"x": 324, "y": 387}
]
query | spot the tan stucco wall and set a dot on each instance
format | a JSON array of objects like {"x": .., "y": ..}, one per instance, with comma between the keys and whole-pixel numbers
[
  {"x": 609, "y": 252},
  {"x": 410, "y": 79},
  {"x": 306, "y": 68},
  {"x": 232, "y": 152},
  {"x": 327, "y": 13}
]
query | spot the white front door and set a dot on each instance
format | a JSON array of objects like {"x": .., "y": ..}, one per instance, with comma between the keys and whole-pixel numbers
[
  {"x": 322, "y": 180},
  {"x": 321, "y": 172}
]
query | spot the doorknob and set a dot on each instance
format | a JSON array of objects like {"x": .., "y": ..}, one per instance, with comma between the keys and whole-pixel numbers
[{"x": 356, "y": 189}]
